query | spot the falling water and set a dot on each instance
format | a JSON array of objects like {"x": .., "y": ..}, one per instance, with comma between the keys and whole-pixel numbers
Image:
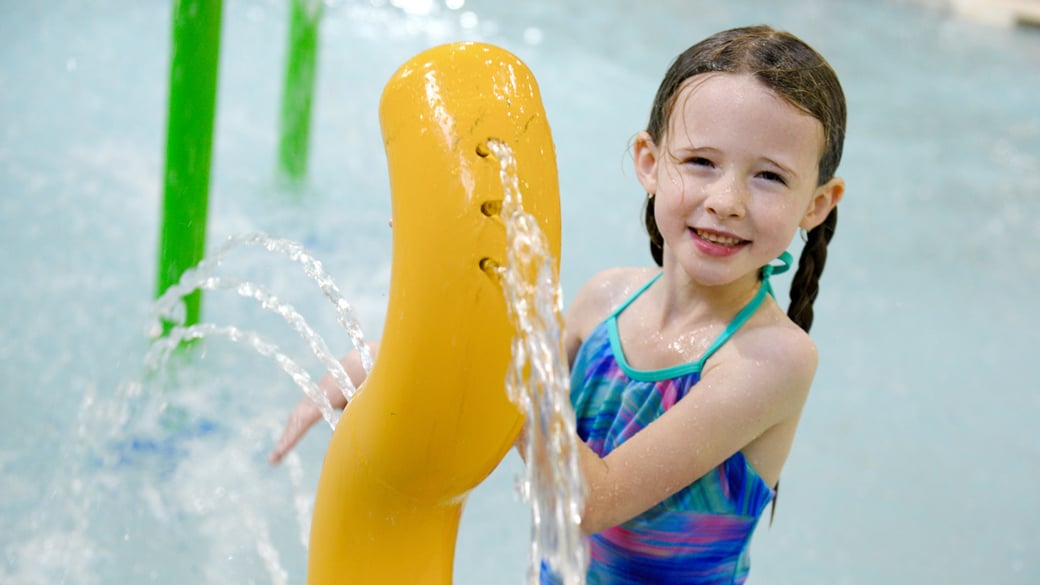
[
  {"x": 201, "y": 277},
  {"x": 294, "y": 251},
  {"x": 127, "y": 462},
  {"x": 162, "y": 349},
  {"x": 537, "y": 380},
  {"x": 538, "y": 383},
  {"x": 115, "y": 416}
]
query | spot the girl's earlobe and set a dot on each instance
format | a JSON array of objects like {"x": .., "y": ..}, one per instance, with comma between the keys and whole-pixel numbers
[
  {"x": 645, "y": 158},
  {"x": 824, "y": 200}
]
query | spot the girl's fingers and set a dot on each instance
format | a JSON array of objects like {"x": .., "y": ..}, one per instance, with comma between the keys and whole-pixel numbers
[{"x": 303, "y": 417}]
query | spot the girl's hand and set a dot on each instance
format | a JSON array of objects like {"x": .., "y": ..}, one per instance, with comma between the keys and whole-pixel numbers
[
  {"x": 306, "y": 413},
  {"x": 301, "y": 419}
]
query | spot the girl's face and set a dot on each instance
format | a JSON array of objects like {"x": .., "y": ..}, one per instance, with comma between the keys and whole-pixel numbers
[{"x": 734, "y": 177}]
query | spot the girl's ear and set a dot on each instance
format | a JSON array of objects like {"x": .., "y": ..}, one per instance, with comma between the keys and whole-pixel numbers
[
  {"x": 645, "y": 154},
  {"x": 824, "y": 200}
]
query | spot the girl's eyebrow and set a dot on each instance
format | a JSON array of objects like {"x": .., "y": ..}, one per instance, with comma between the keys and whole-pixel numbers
[
  {"x": 693, "y": 148},
  {"x": 782, "y": 167}
]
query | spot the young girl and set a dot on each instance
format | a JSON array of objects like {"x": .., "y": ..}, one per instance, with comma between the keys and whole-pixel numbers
[{"x": 688, "y": 380}]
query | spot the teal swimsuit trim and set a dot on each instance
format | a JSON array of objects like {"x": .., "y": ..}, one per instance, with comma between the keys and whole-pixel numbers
[{"x": 692, "y": 367}]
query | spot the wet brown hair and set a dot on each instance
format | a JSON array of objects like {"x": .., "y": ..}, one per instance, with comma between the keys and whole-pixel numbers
[{"x": 801, "y": 76}]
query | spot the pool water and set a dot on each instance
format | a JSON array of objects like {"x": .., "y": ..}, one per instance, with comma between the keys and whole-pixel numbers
[{"x": 916, "y": 457}]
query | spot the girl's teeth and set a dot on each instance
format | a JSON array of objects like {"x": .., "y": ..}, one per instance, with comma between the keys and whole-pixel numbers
[{"x": 717, "y": 239}]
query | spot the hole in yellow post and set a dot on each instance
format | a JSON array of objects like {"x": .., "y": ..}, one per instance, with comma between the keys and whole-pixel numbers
[
  {"x": 492, "y": 268},
  {"x": 491, "y": 208}
]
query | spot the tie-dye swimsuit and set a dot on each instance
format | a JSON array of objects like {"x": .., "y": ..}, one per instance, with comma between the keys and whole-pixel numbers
[{"x": 698, "y": 535}]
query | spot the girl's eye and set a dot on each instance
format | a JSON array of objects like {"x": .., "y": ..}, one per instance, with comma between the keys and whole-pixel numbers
[
  {"x": 700, "y": 161},
  {"x": 771, "y": 176}
]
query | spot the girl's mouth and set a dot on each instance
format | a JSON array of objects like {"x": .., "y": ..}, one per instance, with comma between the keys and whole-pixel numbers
[{"x": 717, "y": 238}]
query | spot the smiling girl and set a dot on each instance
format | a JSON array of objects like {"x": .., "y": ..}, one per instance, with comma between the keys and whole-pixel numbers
[{"x": 688, "y": 379}]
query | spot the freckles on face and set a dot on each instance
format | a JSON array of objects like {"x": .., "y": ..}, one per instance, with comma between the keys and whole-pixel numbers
[
  {"x": 737, "y": 170},
  {"x": 735, "y": 116}
]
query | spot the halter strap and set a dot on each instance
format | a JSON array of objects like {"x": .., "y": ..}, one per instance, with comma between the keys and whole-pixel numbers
[
  {"x": 750, "y": 308},
  {"x": 738, "y": 321},
  {"x": 635, "y": 295}
]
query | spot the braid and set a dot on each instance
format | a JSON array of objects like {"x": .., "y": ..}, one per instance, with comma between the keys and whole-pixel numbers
[
  {"x": 656, "y": 239},
  {"x": 805, "y": 285}
]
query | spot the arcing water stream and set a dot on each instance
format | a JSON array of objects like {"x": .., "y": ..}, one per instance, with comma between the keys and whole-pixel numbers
[{"x": 537, "y": 381}]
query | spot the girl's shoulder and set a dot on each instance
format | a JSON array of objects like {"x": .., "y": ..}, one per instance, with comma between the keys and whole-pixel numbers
[
  {"x": 770, "y": 339},
  {"x": 603, "y": 293}
]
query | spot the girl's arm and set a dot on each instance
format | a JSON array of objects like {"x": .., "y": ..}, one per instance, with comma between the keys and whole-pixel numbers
[
  {"x": 306, "y": 413},
  {"x": 758, "y": 385}
]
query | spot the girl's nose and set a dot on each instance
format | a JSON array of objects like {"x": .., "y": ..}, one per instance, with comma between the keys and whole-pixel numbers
[{"x": 727, "y": 197}]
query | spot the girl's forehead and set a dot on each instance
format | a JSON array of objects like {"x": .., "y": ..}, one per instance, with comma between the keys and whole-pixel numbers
[
  {"x": 738, "y": 102},
  {"x": 728, "y": 91}
]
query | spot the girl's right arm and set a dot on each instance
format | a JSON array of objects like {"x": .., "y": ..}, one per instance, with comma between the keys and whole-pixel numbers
[{"x": 306, "y": 413}]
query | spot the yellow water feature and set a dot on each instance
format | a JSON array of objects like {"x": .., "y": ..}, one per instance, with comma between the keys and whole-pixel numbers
[{"x": 433, "y": 419}]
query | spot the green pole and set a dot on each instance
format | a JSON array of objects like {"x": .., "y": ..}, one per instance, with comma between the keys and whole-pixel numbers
[
  {"x": 298, "y": 92},
  {"x": 189, "y": 143}
]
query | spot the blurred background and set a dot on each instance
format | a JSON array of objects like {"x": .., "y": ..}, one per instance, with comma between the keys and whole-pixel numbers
[{"x": 916, "y": 457}]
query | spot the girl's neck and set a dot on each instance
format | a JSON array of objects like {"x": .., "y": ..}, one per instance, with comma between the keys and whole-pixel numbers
[{"x": 682, "y": 300}]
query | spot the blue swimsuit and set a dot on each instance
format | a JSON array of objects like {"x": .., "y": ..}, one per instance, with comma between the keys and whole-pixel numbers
[{"x": 698, "y": 535}]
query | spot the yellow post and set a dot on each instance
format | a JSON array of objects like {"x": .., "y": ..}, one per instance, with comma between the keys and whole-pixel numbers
[{"x": 433, "y": 419}]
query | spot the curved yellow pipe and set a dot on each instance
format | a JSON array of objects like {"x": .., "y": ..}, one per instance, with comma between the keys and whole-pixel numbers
[{"x": 433, "y": 420}]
